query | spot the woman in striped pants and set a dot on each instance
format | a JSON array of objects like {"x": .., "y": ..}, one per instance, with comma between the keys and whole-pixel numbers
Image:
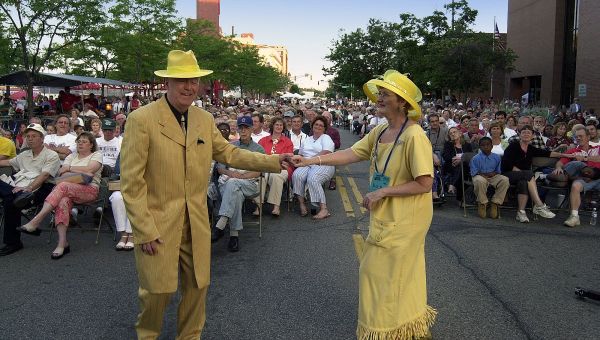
[{"x": 314, "y": 176}]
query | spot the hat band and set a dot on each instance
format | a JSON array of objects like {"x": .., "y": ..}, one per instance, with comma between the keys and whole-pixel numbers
[
  {"x": 188, "y": 68},
  {"x": 396, "y": 86}
]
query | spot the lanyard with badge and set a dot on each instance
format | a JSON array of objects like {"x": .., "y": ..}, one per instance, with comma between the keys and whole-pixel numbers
[{"x": 380, "y": 180}]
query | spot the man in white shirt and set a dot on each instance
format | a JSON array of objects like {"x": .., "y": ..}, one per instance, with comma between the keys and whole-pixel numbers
[
  {"x": 257, "y": 127},
  {"x": 88, "y": 112},
  {"x": 108, "y": 144},
  {"x": 63, "y": 143},
  {"x": 449, "y": 121},
  {"x": 296, "y": 134},
  {"x": 377, "y": 119},
  {"x": 500, "y": 116}
]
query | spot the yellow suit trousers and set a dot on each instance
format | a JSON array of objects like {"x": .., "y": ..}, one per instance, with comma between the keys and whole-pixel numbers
[{"x": 191, "y": 313}]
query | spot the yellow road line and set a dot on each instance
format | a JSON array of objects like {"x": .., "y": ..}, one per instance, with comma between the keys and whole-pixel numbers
[
  {"x": 357, "y": 194},
  {"x": 345, "y": 198}
]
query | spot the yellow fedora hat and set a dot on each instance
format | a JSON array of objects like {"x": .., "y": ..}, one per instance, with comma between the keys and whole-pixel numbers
[
  {"x": 182, "y": 64},
  {"x": 400, "y": 85}
]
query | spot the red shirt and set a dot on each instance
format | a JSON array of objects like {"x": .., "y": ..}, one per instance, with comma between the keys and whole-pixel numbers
[
  {"x": 592, "y": 151},
  {"x": 68, "y": 100},
  {"x": 283, "y": 145}
]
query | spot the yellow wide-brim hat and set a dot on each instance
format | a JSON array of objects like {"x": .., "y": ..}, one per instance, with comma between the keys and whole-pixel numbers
[
  {"x": 181, "y": 64},
  {"x": 401, "y": 85}
]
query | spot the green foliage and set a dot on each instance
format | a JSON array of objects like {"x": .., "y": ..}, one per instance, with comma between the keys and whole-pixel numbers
[
  {"x": 295, "y": 89},
  {"x": 39, "y": 29},
  {"x": 234, "y": 64},
  {"x": 122, "y": 39},
  {"x": 438, "y": 52},
  {"x": 144, "y": 32}
]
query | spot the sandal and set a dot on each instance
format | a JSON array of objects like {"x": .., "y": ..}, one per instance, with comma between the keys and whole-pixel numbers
[
  {"x": 121, "y": 245},
  {"x": 129, "y": 245},
  {"x": 26, "y": 229},
  {"x": 321, "y": 217},
  {"x": 57, "y": 255}
]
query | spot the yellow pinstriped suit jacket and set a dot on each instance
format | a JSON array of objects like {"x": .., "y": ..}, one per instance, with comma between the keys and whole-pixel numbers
[{"x": 162, "y": 172}]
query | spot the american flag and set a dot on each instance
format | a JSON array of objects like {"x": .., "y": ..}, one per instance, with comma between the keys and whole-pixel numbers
[{"x": 496, "y": 32}]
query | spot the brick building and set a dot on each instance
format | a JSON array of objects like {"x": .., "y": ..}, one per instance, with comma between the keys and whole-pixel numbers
[
  {"x": 556, "y": 42},
  {"x": 209, "y": 10}
]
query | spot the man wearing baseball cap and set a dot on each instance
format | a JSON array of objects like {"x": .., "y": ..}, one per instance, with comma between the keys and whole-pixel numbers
[
  {"x": 27, "y": 186},
  {"x": 109, "y": 146},
  {"x": 165, "y": 161},
  {"x": 235, "y": 186}
]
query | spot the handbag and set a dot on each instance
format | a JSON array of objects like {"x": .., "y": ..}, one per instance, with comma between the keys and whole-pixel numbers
[
  {"x": 74, "y": 178},
  {"x": 23, "y": 199}
]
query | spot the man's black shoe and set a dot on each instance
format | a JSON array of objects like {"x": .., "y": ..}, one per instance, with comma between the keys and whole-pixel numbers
[
  {"x": 10, "y": 248},
  {"x": 234, "y": 244},
  {"x": 216, "y": 234}
]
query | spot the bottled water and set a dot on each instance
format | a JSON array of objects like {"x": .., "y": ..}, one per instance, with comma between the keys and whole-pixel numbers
[{"x": 594, "y": 217}]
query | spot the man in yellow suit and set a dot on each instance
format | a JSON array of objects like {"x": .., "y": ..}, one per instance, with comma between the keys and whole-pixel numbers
[{"x": 165, "y": 160}]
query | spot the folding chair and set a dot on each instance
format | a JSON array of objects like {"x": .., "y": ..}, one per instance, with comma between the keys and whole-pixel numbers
[
  {"x": 101, "y": 201},
  {"x": 259, "y": 204},
  {"x": 545, "y": 162},
  {"x": 465, "y": 178}
]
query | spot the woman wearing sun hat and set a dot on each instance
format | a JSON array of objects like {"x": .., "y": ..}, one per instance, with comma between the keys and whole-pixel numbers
[{"x": 392, "y": 289}]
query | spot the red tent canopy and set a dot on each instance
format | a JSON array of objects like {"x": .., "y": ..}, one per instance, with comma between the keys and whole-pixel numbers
[
  {"x": 22, "y": 93},
  {"x": 87, "y": 86}
]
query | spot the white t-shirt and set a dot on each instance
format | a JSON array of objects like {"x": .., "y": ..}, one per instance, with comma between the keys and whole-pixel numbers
[
  {"x": 257, "y": 137},
  {"x": 498, "y": 150},
  {"x": 89, "y": 113},
  {"x": 377, "y": 121},
  {"x": 110, "y": 150},
  {"x": 312, "y": 147},
  {"x": 74, "y": 160},
  {"x": 67, "y": 140},
  {"x": 509, "y": 132},
  {"x": 297, "y": 140}
]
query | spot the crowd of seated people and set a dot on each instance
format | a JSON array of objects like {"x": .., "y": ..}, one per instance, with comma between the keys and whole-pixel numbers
[{"x": 513, "y": 141}]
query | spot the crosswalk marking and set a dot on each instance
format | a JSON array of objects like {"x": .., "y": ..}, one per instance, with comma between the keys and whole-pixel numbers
[
  {"x": 357, "y": 194},
  {"x": 345, "y": 198}
]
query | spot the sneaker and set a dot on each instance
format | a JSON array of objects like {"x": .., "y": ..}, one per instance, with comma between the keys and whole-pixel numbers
[
  {"x": 494, "y": 210},
  {"x": 572, "y": 221},
  {"x": 543, "y": 211},
  {"x": 482, "y": 210},
  {"x": 522, "y": 217}
]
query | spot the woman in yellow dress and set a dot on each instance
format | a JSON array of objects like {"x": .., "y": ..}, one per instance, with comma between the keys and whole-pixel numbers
[{"x": 392, "y": 286}]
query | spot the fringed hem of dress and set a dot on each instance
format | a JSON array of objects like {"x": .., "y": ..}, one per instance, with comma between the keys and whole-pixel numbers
[{"x": 415, "y": 329}]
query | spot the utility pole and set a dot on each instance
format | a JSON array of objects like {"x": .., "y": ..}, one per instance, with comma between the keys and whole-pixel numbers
[{"x": 452, "y": 24}]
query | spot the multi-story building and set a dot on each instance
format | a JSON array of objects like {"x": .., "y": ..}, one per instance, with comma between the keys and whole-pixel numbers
[
  {"x": 556, "y": 42},
  {"x": 275, "y": 56},
  {"x": 209, "y": 10}
]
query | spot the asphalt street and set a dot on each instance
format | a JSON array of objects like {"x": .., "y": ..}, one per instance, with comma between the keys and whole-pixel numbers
[{"x": 488, "y": 279}]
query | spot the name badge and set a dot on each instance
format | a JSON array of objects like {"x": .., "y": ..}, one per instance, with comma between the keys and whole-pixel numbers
[{"x": 378, "y": 181}]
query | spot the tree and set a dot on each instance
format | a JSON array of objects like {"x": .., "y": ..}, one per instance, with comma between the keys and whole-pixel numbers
[
  {"x": 233, "y": 63},
  {"x": 295, "y": 89},
  {"x": 39, "y": 29},
  {"x": 144, "y": 31},
  {"x": 440, "y": 53},
  {"x": 95, "y": 57}
]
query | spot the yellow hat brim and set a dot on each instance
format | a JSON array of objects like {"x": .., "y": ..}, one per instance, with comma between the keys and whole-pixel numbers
[
  {"x": 370, "y": 89},
  {"x": 187, "y": 74}
]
